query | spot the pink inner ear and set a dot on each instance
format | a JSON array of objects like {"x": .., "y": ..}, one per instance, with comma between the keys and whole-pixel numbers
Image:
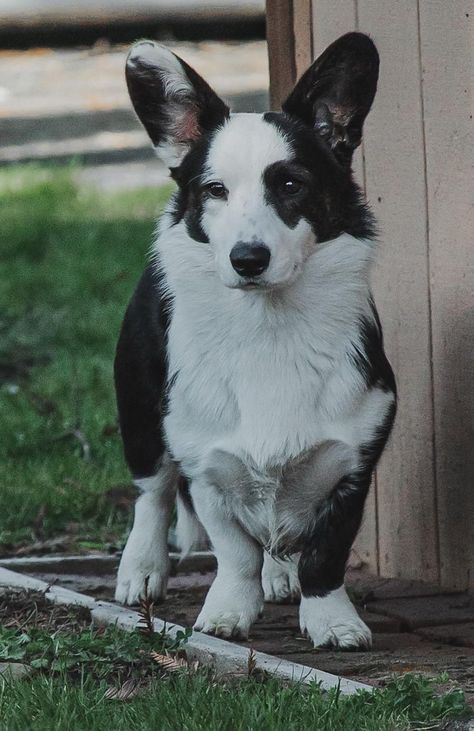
[{"x": 188, "y": 126}]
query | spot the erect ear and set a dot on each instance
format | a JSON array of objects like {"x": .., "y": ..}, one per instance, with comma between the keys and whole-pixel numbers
[
  {"x": 174, "y": 104},
  {"x": 335, "y": 94}
]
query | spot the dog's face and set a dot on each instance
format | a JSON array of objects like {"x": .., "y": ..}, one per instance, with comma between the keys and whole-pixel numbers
[{"x": 261, "y": 190}]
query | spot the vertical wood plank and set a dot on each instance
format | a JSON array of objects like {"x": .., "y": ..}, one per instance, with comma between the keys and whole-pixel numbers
[
  {"x": 281, "y": 50},
  {"x": 329, "y": 21},
  {"x": 446, "y": 33},
  {"x": 394, "y": 168},
  {"x": 302, "y": 29}
]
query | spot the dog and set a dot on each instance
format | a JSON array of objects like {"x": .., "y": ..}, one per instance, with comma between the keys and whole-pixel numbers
[{"x": 251, "y": 379}]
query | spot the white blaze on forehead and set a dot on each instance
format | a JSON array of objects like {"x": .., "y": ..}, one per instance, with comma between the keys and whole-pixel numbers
[{"x": 244, "y": 148}]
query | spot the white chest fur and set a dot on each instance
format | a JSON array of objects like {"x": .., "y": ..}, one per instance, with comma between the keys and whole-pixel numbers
[{"x": 265, "y": 375}]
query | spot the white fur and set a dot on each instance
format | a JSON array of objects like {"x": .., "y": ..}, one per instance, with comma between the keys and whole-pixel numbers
[
  {"x": 245, "y": 215},
  {"x": 332, "y": 620},
  {"x": 267, "y": 376},
  {"x": 264, "y": 375},
  {"x": 280, "y": 579},
  {"x": 190, "y": 533},
  {"x": 263, "y": 378},
  {"x": 146, "y": 552}
]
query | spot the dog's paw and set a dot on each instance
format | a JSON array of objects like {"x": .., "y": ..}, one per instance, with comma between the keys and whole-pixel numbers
[
  {"x": 230, "y": 611},
  {"x": 332, "y": 621},
  {"x": 138, "y": 563},
  {"x": 280, "y": 580}
]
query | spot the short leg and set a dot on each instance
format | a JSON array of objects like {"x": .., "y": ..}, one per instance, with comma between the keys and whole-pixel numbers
[
  {"x": 280, "y": 579},
  {"x": 235, "y": 598},
  {"x": 326, "y": 613},
  {"x": 146, "y": 552}
]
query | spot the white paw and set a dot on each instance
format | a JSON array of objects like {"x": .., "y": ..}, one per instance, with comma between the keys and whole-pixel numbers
[
  {"x": 138, "y": 562},
  {"x": 280, "y": 580},
  {"x": 332, "y": 621},
  {"x": 230, "y": 610}
]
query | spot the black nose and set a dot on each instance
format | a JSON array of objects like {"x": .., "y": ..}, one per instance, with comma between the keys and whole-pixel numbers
[{"x": 250, "y": 260}]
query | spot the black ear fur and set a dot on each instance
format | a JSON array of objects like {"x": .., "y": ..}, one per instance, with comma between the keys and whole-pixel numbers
[
  {"x": 175, "y": 105},
  {"x": 336, "y": 93}
]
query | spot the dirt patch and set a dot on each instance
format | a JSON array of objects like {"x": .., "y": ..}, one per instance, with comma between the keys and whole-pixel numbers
[{"x": 22, "y": 609}]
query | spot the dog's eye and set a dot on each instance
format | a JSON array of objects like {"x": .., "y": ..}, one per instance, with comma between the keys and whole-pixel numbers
[
  {"x": 216, "y": 190},
  {"x": 290, "y": 186}
]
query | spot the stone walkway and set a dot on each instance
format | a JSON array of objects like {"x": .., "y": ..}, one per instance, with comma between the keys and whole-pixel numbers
[{"x": 416, "y": 627}]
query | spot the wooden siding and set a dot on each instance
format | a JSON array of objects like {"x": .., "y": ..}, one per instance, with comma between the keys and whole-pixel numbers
[{"x": 416, "y": 165}]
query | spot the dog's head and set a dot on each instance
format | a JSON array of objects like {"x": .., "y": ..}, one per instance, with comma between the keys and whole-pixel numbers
[{"x": 261, "y": 190}]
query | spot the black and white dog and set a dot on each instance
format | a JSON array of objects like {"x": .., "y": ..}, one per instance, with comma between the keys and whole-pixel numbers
[{"x": 250, "y": 370}]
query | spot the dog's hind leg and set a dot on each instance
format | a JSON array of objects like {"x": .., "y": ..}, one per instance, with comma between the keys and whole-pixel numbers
[
  {"x": 146, "y": 552},
  {"x": 280, "y": 579},
  {"x": 190, "y": 533}
]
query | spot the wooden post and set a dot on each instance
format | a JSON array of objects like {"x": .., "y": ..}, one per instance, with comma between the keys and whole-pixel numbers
[{"x": 281, "y": 49}]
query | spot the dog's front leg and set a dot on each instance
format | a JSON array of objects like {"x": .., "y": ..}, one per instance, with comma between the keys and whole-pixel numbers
[
  {"x": 235, "y": 598},
  {"x": 327, "y": 614},
  {"x": 146, "y": 553}
]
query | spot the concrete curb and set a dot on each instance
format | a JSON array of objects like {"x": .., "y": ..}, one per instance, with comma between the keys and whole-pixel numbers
[{"x": 224, "y": 657}]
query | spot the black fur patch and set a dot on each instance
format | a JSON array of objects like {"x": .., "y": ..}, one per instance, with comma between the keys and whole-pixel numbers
[
  {"x": 329, "y": 199},
  {"x": 370, "y": 359},
  {"x": 190, "y": 197},
  {"x": 336, "y": 93},
  {"x": 141, "y": 374}
]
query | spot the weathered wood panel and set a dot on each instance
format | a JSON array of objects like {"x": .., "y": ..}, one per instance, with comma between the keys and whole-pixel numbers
[
  {"x": 302, "y": 31},
  {"x": 447, "y": 68},
  {"x": 394, "y": 167},
  {"x": 417, "y": 165}
]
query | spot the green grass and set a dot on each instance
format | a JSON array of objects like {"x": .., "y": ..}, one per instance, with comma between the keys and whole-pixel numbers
[
  {"x": 104, "y": 654},
  {"x": 74, "y": 666},
  {"x": 197, "y": 703},
  {"x": 69, "y": 261}
]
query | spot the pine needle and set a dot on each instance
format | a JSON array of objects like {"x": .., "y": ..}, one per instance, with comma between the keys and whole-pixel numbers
[
  {"x": 125, "y": 692},
  {"x": 170, "y": 664},
  {"x": 145, "y": 624}
]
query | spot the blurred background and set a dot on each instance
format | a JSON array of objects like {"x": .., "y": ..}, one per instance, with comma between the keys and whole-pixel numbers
[
  {"x": 62, "y": 90},
  {"x": 80, "y": 190}
]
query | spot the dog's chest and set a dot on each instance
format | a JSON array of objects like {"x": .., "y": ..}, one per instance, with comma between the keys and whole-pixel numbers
[{"x": 247, "y": 384}]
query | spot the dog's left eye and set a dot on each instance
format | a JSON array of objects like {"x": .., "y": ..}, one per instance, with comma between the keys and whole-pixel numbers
[
  {"x": 290, "y": 186},
  {"x": 216, "y": 190}
]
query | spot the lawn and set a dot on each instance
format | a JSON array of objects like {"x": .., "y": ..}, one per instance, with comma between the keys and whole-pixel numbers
[
  {"x": 70, "y": 259},
  {"x": 86, "y": 679}
]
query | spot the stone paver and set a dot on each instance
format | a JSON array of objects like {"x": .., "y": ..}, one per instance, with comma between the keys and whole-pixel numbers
[
  {"x": 461, "y": 635},
  {"x": 14, "y": 670},
  {"x": 428, "y": 611}
]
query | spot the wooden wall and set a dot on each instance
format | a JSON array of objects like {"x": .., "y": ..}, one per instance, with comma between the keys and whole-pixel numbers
[{"x": 417, "y": 167}]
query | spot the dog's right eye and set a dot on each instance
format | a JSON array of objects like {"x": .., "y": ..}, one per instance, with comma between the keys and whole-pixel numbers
[{"x": 216, "y": 190}]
